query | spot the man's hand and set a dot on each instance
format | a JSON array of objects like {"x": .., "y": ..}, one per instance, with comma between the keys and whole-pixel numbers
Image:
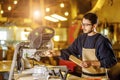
[
  {"x": 52, "y": 53},
  {"x": 85, "y": 64}
]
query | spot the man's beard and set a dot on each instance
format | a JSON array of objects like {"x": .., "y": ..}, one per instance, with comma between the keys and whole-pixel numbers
[{"x": 87, "y": 32}]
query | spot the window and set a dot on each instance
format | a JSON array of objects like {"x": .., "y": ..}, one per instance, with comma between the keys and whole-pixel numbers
[{"x": 3, "y": 35}]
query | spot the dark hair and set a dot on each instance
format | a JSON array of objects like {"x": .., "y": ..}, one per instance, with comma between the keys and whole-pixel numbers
[{"x": 92, "y": 17}]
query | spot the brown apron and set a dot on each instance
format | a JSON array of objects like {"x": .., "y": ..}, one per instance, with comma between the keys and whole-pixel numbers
[{"x": 90, "y": 55}]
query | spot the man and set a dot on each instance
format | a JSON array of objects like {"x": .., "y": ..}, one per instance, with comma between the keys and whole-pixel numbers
[{"x": 95, "y": 49}]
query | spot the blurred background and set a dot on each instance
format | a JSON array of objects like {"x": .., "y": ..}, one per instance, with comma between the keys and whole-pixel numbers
[{"x": 19, "y": 17}]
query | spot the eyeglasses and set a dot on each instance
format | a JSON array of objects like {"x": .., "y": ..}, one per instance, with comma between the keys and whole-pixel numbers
[{"x": 85, "y": 24}]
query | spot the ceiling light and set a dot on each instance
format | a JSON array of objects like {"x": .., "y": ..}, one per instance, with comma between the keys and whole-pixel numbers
[
  {"x": 51, "y": 19},
  {"x": 59, "y": 17},
  {"x": 62, "y": 5},
  {"x": 47, "y": 9},
  {"x": 9, "y": 8},
  {"x": 15, "y": 2},
  {"x": 36, "y": 14},
  {"x": 1, "y": 11},
  {"x": 66, "y": 13}
]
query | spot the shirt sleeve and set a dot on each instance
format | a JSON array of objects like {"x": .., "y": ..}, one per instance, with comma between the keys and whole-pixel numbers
[
  {"x": 105, "y": 54},
  {"x": 74, "y": 49}
]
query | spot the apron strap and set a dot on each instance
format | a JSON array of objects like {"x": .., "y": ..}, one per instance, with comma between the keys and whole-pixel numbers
[
  {"x": 84, "y": 39},
  {"x": 96, "y": 40}
]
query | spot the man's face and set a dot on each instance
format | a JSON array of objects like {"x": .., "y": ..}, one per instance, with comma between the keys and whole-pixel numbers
[{"x": 87, "y": 26}]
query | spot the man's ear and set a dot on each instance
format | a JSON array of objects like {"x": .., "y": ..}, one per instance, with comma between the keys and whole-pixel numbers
[{"x": 94, "y": 26}]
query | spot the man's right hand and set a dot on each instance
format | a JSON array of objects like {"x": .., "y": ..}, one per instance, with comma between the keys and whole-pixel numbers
[{"x": 52, "y": 53}]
